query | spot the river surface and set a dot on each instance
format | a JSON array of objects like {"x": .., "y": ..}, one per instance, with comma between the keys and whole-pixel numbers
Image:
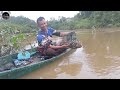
[{"x": 99, "y": 58}]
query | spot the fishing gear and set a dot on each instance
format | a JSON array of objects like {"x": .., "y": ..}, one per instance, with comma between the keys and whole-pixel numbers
[{"x": 72, "y": 41}]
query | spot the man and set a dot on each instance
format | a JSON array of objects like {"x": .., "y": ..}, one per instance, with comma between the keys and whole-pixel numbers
[{"x": 44, "y": 38}]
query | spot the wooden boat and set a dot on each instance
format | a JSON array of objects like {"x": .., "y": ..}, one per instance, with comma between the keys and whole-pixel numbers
[
  {"x": 20, "y": 71},
  {"x": 16, "y": 72}
]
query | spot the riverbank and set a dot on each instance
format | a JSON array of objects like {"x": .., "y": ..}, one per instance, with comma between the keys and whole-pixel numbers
[{"x": 95, "y": 29}]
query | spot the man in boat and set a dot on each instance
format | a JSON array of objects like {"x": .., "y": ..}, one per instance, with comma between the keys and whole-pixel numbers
[{"x": 44, "y": 38}]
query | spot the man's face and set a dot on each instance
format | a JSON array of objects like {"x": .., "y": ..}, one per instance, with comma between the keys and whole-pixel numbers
[{"x": 42, "y": 24}]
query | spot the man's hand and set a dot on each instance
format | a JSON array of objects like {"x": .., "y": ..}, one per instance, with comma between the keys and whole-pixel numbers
[{"x": 65, "y": 46}]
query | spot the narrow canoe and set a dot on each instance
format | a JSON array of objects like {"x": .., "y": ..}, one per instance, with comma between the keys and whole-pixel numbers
[
  {"x": 16, "y": 72},
  {"x": 20, "y": 71}
]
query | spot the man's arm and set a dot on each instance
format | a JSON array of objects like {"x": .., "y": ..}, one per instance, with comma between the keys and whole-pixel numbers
[
  {"x": 61, "y": 34},
  {"x": 58, "y": 47}
]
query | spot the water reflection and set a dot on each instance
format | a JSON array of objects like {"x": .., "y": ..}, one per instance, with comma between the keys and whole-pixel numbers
[{"x": 103, "y": 53}]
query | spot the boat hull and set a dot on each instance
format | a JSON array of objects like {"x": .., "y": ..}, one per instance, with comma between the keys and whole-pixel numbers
[{"x": 18, "y": 72}]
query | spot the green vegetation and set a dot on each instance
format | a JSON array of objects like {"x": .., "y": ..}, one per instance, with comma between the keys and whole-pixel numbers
[
  {"x": 88, "y": 19},
  {"x": 12, "y": 33}
]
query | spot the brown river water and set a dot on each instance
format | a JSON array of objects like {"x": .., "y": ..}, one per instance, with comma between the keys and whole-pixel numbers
[{"x": 99, "y": 58}]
